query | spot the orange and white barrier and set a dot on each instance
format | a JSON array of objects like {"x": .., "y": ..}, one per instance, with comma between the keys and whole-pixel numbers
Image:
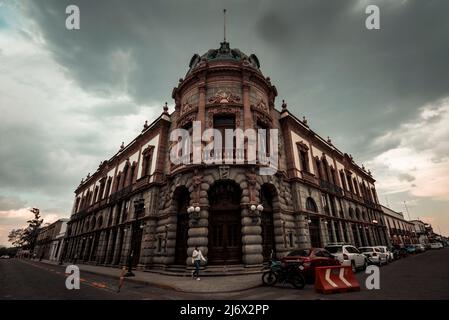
[{"x": 335, "y": 279}]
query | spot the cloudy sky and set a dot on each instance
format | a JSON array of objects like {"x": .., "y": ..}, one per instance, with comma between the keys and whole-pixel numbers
[{"x": 69, "y": 98}]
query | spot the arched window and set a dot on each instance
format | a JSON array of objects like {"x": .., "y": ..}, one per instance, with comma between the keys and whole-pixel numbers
[
  {"x": 311, "y": 205},
  {"x": 326, "y": 170},
  {"x": 147, "y": 160},
  {"x": 357, "y": 213},
  {"x": 318, "y": 168},
  {"x": 343, "y": 180},
  {"x": 100, "y": 222},
  {"x": 351, "y": 213}
]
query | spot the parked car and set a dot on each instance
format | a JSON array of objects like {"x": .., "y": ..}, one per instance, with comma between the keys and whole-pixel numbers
[
  {"x": 399, "y": 251},
  {"x": 420, "y": 248},
  {"x": 436, "y": 245},
  {"x": 310, "y": 259},
  {"x": 348, "y": 256},
  {"x": 5, "y": 256},
  {"x": 410, "y": 249},
  {"x": 374, "y": 255},
  {"x": 388, "y": 252}
]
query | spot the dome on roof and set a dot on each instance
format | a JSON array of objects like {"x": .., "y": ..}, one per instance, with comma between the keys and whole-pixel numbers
[{"x": 224, "y": 53}]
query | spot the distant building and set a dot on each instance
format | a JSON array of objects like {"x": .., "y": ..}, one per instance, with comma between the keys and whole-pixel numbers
[
  {"x": 421, "y": 231},
  {"x": 400, "y": 231},
  {"x": 50, "y": 240}
]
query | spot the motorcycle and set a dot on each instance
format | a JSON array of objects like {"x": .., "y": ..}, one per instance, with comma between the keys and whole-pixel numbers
[{"x": 284, "y": 272}]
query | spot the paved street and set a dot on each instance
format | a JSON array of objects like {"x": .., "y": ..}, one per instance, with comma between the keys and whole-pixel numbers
[{"x": 422, "y": 276}]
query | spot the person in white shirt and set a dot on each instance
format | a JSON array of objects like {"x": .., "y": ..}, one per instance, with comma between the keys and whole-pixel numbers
[{"x": 197, "y": 256}]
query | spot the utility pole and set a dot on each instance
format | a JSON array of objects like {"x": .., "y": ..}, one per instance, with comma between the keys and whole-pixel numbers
[{"x": 406, "y": 209}]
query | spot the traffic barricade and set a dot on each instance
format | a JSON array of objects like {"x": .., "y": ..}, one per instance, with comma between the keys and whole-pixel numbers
[{"x": 335, "y": 279}]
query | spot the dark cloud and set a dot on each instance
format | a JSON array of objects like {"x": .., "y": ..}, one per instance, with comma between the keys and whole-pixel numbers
[
  {"x": 11, "y": 203},
  {"x": 406, "y": 177},
  {"x": 318, "y": 53}
]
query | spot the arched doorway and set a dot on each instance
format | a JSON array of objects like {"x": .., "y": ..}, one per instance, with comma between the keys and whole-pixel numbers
[
  {"x": 225, "y": 242},
  {"x": 182, "y": 198},
  {"x": 314, "y": 224},
  {"x": 314, "y": 230},
  {"x": 267, "y": 193}
]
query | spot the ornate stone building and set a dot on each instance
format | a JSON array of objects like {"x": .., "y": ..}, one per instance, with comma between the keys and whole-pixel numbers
[{"x": 141, "y": 206}]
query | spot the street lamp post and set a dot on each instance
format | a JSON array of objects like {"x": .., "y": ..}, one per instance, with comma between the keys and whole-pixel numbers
[{"x": 139, "y": 207}]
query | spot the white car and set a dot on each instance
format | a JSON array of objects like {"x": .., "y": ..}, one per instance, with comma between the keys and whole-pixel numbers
[
  {"x": 348, "y": 255},
  {"x": 375, "y": 255},
  {"x": 390, "y": 255},
  {"x": 5, "y": 256},
  {"x": 436, "y": 245}
]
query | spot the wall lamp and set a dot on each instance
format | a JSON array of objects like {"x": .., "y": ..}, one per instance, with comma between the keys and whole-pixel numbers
[
  {"x": 194, "y": 212},
  {"x": 255, "y": 212}
]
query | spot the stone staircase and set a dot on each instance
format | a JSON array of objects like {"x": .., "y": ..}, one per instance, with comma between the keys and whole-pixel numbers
[{"x": 212, "y": 270}]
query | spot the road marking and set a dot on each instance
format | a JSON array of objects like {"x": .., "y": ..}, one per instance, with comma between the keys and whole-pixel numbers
[
  {"x": 327, "y": 277},
  {"x": 342, "y": 278}
]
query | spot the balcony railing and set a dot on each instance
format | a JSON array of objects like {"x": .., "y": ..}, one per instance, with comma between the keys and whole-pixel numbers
[
  {"x": 331, "y": 188},
  {"x": 120, "y": 194}
]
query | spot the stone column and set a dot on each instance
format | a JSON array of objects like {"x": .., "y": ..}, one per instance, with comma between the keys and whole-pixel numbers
[
  {"x": 303, "y": 232},
  {"x": 101, "y": 247},
  {"x": 251, "y": 239},
  {"x": 199, "y": 226},
  {"x": 334, "y": 233},
  {"x": 109, "y": 249},
  {"x": 324, "y": 233},
  {"x": 340, "y": 230},
  {"x": 116, "y": 255},
  {"x": 148, "y": 243},
  {"x": 199, "y": 231},
  {"x": 365, "y": 238},
  {"x": 126, "y": 247},
  {"x": 359, "y": 237},
  {"x": 248, "y": 119},
  {"x": 349, "y": 233}
]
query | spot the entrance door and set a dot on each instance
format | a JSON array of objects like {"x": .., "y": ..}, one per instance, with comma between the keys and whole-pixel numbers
[
  {"x": 224, "y": 237},
  {"x": 225, "y": 223}
]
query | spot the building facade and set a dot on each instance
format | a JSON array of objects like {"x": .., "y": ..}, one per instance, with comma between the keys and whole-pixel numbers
[
  {"x": 421, "y": 232},
  {"x": 400, "y": 231},
  {"x": 142, "y": 207},
  {"x": 50, "y": 240}
]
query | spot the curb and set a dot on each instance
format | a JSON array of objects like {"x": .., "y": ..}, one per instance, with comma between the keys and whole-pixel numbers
[{"x": 155, "y": 284}]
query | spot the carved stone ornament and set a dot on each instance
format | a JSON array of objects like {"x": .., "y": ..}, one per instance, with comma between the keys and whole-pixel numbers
[
  {"x": 186, "y": 107},
  {"x": 224, "y": 96},
  {"x": 211, "y": 112},
  {"x": 261, "y": 105},
  {"x": 186, "y": 119},
  {"x": 224, "y": 172}
]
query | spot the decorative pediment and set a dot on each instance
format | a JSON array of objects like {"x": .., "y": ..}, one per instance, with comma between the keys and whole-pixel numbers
[
  {"x": 224, "y": 97},
  {"x": 262, "y": 118},
  {"x": 302, "y": 146},
  {"x": 261, "y": 105}
]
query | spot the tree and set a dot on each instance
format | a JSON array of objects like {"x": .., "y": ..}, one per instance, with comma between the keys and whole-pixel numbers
[
  {"x": 26, "y": 238},
  {"x": 32, "y": 231},
  {"x": 16, "y": 237}
]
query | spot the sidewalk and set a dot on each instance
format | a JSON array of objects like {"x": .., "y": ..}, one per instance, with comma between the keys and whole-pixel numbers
[{"x": 209, "y": 284}]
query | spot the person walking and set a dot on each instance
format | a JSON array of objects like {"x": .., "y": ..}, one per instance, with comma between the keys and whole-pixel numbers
[
  {"x": 121, "y": 279},
  {"x": 197, "y": 257}
]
